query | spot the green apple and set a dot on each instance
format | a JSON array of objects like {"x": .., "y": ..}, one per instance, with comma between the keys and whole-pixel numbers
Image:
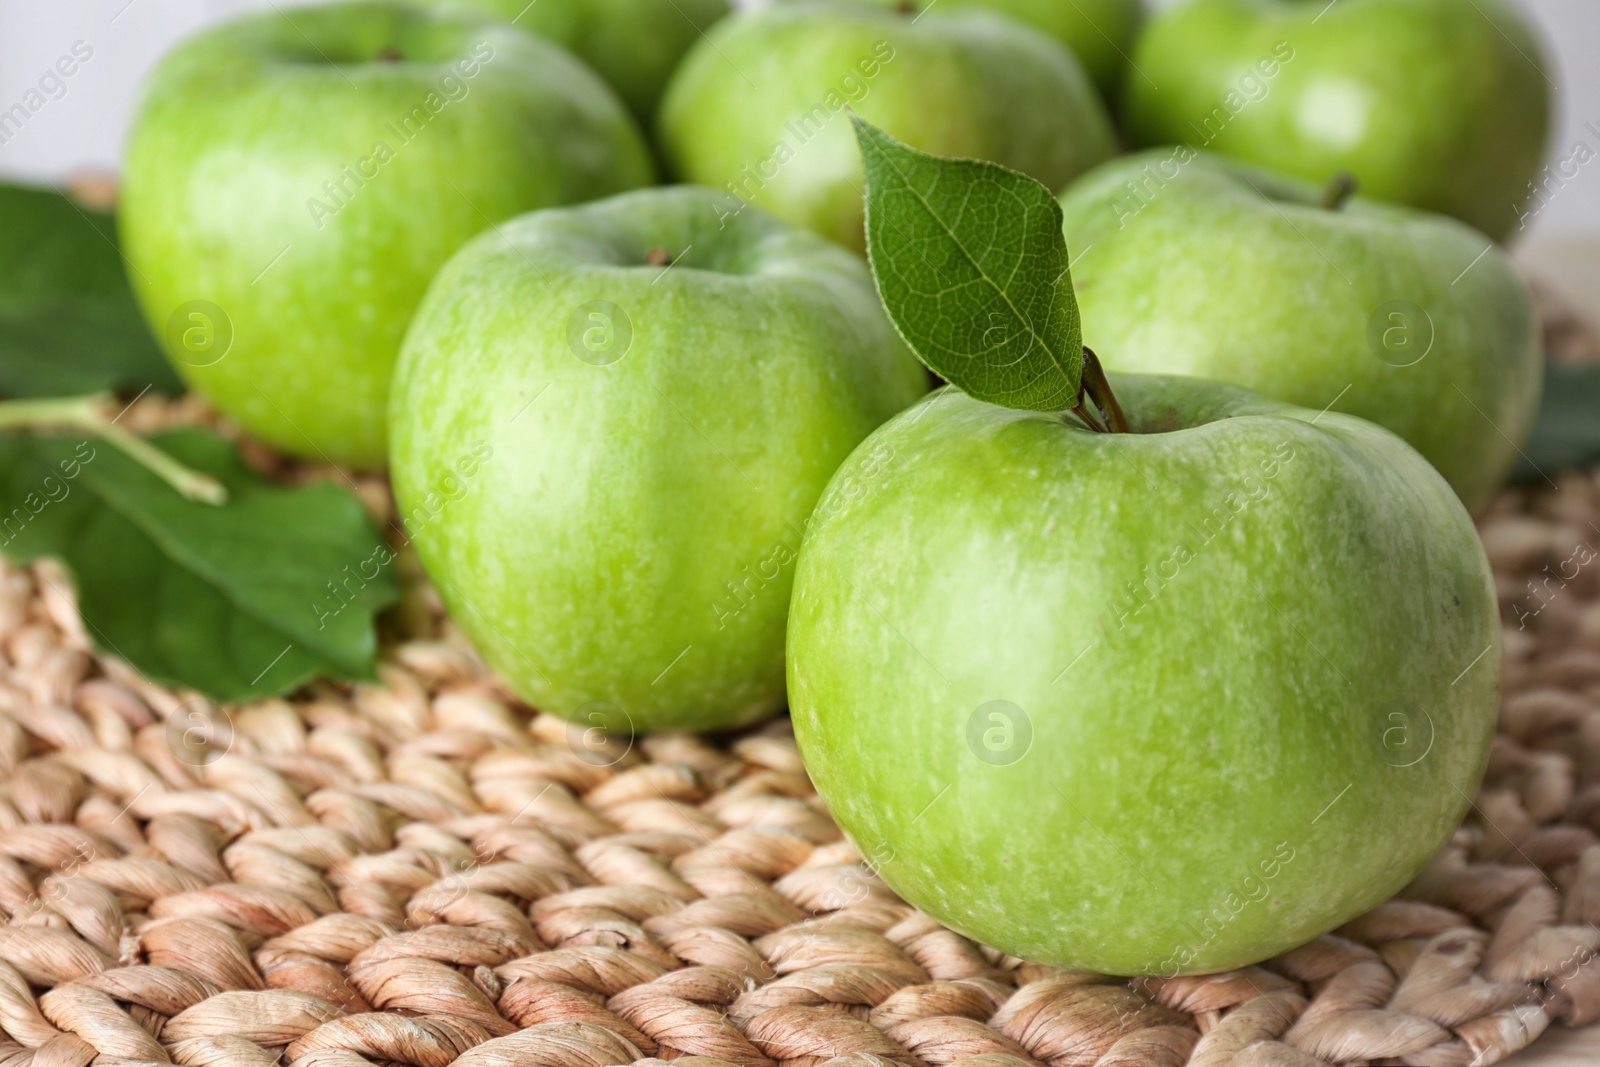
[
  {"x": 1160, "y": 702},
  {"x": 294, "y": 179},
  {"x": 610, "y": 425},
  {"x": 1099, "y": 32},
  {"x": 633, "y": 44},
  {"x": 1189, "y": 264},
  {"x": 1440, "y": 104},
  {"x": 756, "y": 110}
]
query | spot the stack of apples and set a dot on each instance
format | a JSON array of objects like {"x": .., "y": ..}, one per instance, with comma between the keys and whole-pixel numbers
[{"x": 1164, "y": 683}]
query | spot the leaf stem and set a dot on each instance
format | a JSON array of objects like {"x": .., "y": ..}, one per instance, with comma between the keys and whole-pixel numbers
[
  {"x": 87, "y": 413},
  {"x": 1098, "y": 388},
  {"x": 1090, "y": 417}
]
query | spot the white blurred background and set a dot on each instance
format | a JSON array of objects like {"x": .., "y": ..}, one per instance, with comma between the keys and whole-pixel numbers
[{"x": 83, "y": 130}]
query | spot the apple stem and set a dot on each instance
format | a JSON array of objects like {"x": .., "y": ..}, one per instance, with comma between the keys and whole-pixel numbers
[
  {"x": 87, "y": 413},
  {"x": 391, "y": 55},
  {"x": 1339, "y": 191},
  {"x": 1097, "y": 387},
  {"x": 658, "y": 257}
]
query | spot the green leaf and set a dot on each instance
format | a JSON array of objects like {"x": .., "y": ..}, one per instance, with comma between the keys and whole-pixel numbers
[
  {"x": 971, "y": 263},
  {"x": 250, "y": 599},
  {"x": 68, "y": 321},
  {"x": 1567, "y": 433}
]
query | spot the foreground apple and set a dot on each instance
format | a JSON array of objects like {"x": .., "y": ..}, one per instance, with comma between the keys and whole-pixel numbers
[
  {"x": 756, "y": 110},
  {"x": 1159, "y": 687},
  {"x": 1169, "y": 701},
  {"x": 1099, "y": 32},
  {"x": 1192, "y": 265},
  {"x": 292, "y": 184},
  {"x": 610, "y": 425},
  {"x": 1440, "y": 104},
  {"x": 633, "y": 44}
]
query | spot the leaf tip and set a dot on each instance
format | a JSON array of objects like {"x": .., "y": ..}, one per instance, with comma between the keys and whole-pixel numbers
[
  {"x": 860, "y": 125},
  {"x": 867, "y": 133}
]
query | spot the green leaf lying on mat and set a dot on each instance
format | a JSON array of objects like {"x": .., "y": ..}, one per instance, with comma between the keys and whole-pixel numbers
[
  {"x": 246, "y": 600},
  {"x": 68, "y": 321},
  {"x": 971, "y": 263},
  {"x": 1567, "y": 433}
]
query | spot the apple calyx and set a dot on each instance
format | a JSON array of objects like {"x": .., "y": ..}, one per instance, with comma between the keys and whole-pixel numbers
[
  {"x": 1106, "y": 416},
  {"x": 88, "y": 414},
  {"x": 391, "y": 55},
  {"x": 658, "y": 257},
  {"x": 1340, "y": 188}
]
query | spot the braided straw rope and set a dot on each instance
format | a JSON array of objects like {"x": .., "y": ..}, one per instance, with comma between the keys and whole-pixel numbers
[{"x": 425, "y": 873}]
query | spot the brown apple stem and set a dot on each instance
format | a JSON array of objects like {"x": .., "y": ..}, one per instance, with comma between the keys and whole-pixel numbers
[
  {"x": 1098, "y": 388},
  {"x": 1339, "y": 191},
  {"x": 658, "y": 257},
  {"x": 391, "y": 55}
]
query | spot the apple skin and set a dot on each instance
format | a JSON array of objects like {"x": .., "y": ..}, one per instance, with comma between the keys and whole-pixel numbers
[
  {"x": 241, "y": 126},
  {"x": 1202, "y": 274},
  {"x": 633, "y": 44},
  {"x": 966, "y": 84},
  {"x": 632, "y": 539},
  {"x": 1099, "y": 32},
  {"x": 1227, "y": 736},
  {"x": 1440, "y": 104}
]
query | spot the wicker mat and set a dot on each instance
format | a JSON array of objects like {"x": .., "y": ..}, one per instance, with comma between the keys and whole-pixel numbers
[{"x": 427, "y": 873}]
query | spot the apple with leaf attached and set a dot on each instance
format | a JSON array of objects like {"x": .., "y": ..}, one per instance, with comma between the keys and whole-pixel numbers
[{"x": 1138, "y": 675}]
